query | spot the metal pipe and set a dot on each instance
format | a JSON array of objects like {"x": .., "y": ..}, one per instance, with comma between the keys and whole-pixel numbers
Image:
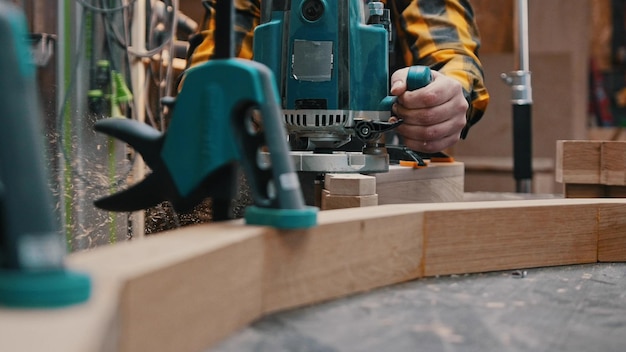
[
  {"x": 138, "y": 74},
  {"x": 521, "y": 100},
  {"x": 522, "y": 39}
]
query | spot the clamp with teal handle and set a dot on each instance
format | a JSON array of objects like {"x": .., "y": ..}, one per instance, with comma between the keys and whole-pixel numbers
[
  {"x": 227, "y": 114},
  {"x": 32, "y": 247}
]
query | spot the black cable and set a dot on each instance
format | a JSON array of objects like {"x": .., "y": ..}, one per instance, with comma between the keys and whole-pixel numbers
[{"x": 124, "y": 43}]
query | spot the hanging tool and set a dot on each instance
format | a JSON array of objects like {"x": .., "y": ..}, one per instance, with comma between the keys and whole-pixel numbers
[
  {"x": 522, "y": 100},
  {"x": 330, "y": 59},
  {"x": 227, "y": 113},
  {"x": 32, "y": 248}
]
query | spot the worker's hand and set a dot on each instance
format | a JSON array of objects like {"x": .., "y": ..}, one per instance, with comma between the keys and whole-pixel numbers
[{"x": 434, "y": 116}]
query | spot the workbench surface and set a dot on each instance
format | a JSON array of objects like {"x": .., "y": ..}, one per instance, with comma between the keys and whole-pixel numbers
[{"x": 569, "y": 308}]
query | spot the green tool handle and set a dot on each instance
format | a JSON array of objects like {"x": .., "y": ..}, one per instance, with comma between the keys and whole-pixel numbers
[{"x": 417, "y": 77}]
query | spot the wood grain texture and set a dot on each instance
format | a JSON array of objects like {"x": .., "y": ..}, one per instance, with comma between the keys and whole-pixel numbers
[
  {"x": 439, "y": 182},
  {"x": 187, "y": 289},
  {"x": 576, "y": 190},
  {"x": 611, "y": 233},
  {"x": 578, "y": 161},
  {"x": 345, "y": 254},
  {"x": 592, "y": 168},
  {"x": 149, "y": 294},
  {"x": 191, "y": 298},
  {"x": 330, "y": 201},
  {"x": 613, "y": 163},
  {"x": 615, "y": 191},
  {"x": 350, "y": 184},
  {"x": 507, "y": 237}
]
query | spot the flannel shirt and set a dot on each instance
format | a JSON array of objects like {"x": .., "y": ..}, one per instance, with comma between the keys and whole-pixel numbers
[{"x": 441, "y": 34}]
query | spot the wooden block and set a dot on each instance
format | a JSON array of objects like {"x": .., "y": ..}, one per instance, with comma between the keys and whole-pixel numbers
[
  {"x": 613, "y": 163},
  {"x": 573, "y": 190},
  {"x": 612, "y": 233},
  {"x": 439, "y": 182},
  {"x": 350, "y": 184},
  {"x": 578, "y": 161},
  {"x": 330, "y": 201}
]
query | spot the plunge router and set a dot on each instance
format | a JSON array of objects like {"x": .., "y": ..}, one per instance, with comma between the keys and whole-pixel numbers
[{"x": 330, "y": 59}]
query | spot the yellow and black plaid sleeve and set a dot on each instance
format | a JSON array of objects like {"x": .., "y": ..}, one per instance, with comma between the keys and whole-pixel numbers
[
  {"x": 443, "y": 34},
  {"x": 247, "y": 16}
]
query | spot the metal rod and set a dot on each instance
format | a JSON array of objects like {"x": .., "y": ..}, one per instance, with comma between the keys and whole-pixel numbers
[
  {"x": 522, "y": 40},
  {"x": 138, "y": 77},
  {"x": 521, "y": 99},
  {"x": 522, "y": 108}
]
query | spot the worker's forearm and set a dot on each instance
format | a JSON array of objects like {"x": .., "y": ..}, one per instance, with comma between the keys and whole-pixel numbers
[{"x": 446, "y": 38}]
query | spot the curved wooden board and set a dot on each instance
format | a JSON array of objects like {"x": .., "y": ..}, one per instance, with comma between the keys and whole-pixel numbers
[{"x": 187, "y": 289}]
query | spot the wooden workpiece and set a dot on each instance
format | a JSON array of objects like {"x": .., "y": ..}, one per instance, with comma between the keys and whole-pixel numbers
[
  {"x": 592, "y": 168},
  {"x": 187, "y": 289},
  {"x": 350, "y": 184},
  {"x": 596, "y": 169},
  {"x": 613, "y": 164},
  {"x": 438, "y": 182},
  {"x": 348, "y": 191},
  {"x": 330, "y": 201},
  {"x": 578, "y": 162}
]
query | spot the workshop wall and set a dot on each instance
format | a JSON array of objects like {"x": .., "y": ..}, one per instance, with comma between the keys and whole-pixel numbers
[
  {"x": 559, "y": 54},
  {"x": 601, "y": 29},
  {"x": 608, "y": 70}
]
